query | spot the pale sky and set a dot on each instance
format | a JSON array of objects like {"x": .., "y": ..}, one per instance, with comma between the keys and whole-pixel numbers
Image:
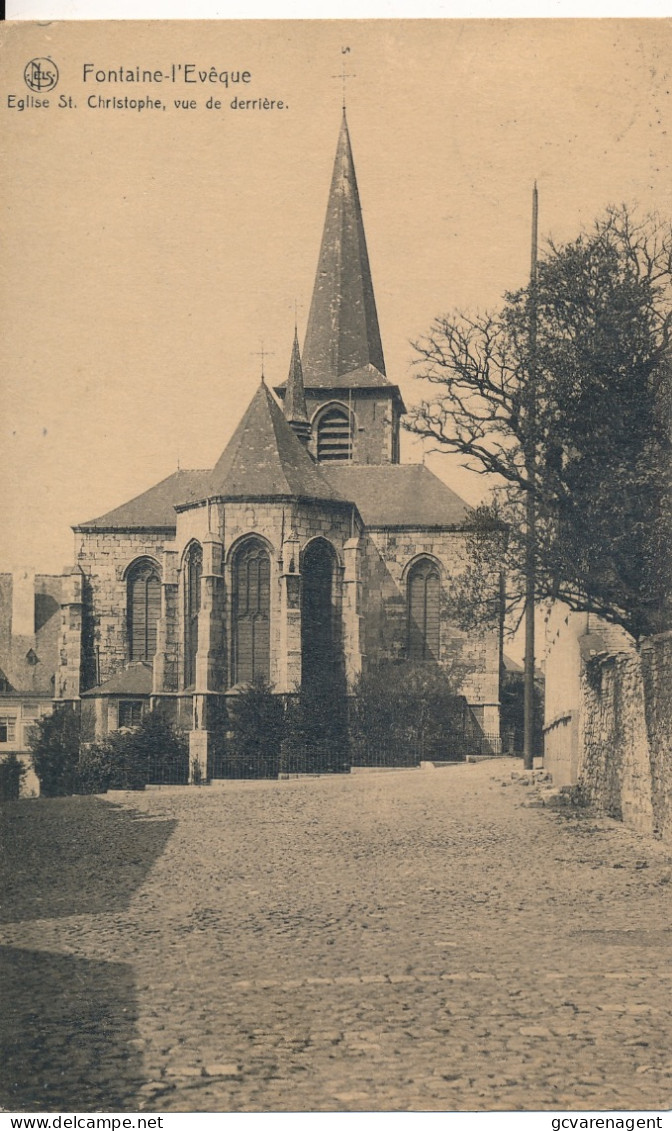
[{"x": 148, "y": 255}]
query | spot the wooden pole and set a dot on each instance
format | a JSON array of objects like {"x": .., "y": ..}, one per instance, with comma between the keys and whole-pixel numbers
[{"x": 531, "y": 503}]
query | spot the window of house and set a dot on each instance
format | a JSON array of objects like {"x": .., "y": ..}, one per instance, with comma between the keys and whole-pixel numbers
[
  {"x": 144, "y": 609},
  {"x": 251, "y": 614},
  {"x": 130, "y": 712},
  {"x": 7, "y": 728},
  {"x": 424, "y": 600},
  {"x": 334, "y": 435},
  {"x": 192, "y": 603}
]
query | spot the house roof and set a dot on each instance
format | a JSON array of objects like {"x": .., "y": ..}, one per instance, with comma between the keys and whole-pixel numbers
[
  {"x": 264, "y": 459},
  {"x": 398, "y": 494},
  {"x": 343, "y": 335},
  {"x": 134, "y": 679},
  {"x": 155, "y": 508}
]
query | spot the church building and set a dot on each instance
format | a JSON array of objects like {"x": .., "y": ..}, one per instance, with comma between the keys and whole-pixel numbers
[{"x": 308, "y": 550}]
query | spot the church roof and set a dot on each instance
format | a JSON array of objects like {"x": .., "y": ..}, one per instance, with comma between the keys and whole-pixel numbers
[
  {"x": 398, "y": 494},
  {"x": 343, "y": 336},
  {"x": 264, "y": 459},
  {"x": 155, "y": 508},
  {"x": 134, "y": 679}
]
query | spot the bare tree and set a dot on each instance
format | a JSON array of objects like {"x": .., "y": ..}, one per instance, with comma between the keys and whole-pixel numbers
[{"x": 597, "y": 424}]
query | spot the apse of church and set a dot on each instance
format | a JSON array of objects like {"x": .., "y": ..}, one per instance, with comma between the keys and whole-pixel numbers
[{"x": 307, "y": 553}]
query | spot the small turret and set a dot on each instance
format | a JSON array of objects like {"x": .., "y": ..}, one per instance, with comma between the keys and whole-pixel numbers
[{"x": 295, "y": 398}]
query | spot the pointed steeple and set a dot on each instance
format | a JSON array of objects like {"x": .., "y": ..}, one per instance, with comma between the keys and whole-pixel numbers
[
  {"x": 295, "y": 396},
  {"x": 343, "y": 334}
]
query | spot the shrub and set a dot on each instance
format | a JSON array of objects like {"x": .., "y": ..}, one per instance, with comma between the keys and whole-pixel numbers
[
  {"x": 165, "y": 750},
  {"x": 12, "y": 773},
  {"x": 404, "y": 713},
  {"x": 128, "y": 759},
  {"x": 54, "y": 747},
  {"x": 256, "y": 727},
  {"x": 93, "y": 772},
  {"x": 316, "y": 736}
]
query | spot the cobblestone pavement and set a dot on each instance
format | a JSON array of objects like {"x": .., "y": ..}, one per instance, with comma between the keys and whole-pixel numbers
[{"x": 401, "y": 940}]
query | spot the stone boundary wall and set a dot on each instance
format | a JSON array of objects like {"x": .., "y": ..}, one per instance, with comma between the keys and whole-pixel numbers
[
  {"x": 656, "y": 656},
  {"x": 625, "y": 736}
]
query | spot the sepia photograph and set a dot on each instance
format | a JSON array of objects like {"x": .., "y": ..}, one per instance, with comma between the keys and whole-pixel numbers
[{"x": 335, "y": 577}]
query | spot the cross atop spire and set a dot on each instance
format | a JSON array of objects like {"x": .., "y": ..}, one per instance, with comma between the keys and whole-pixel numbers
[
  {"x": 344, "y": 75},
  {"x": 263, "y": 354}
]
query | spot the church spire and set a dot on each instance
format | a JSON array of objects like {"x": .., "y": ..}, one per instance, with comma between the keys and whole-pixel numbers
[
  {"x": 295, "y": 397},
  {"x": 343, "y": 333}
]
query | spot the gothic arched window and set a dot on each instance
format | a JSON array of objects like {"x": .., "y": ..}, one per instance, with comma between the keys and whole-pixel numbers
[
  {"x": 424, "y": 603},
  {"x": 251, "y": 613},
  {"x": 143, "y": 591},
  {"x": 192, "y": 605},
  {"x": 334, "y": 435},
  {"x": 319, "y": 636}
]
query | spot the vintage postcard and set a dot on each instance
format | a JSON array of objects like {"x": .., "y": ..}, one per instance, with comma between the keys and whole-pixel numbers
[{"x": 329, "y": 349}]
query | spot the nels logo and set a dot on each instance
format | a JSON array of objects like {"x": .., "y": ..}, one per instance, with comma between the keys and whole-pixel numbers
[{"x": 41, "y": 75}]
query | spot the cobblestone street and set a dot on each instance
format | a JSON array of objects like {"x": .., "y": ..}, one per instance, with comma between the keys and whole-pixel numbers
[{"x": 402, "y": 940}]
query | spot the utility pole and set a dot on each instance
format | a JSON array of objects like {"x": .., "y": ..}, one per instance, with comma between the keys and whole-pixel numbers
[{"x": 531, "y": 502}]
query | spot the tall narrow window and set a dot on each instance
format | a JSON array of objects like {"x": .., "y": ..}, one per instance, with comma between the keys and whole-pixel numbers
[
  {"x": 251, "y": 614},
  {"x": 334, "y": 436},
  {"x": 192, "y": 602},
  {"x": 424, "y": 599},
  {"x": 319, "y": 651},
  {"x": 144, "y": 609}
]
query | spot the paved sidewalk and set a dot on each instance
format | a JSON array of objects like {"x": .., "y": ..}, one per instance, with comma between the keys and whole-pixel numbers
[{"x": 403, "y": 940}]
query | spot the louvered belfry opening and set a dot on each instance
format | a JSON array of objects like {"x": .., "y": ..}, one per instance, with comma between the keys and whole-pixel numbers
[
  {"x": 334, "y": 436},
  {"x": 424, "y": 605},
  {"x": 144, "y": 609},
  {"x": 192, "y": 594},
  {"x": 252, "y": 613},
  {"x": 318, "y": 635}
]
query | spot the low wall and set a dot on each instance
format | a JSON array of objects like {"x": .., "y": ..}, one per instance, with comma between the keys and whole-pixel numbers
[
  {"x": 561, "y": 748},
  {"x": 625, "y": 736}
]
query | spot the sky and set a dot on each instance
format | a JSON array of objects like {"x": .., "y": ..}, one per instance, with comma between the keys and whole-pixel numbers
[{"x": 150, "y": 256}]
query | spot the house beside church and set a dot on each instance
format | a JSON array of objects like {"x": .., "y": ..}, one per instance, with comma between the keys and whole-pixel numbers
[{"x": 308, "y": 550}]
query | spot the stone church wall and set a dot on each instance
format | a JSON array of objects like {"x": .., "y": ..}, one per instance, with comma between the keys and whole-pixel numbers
[
  {"x": 104, "y": 559},
  {"x": 387, "y": 557},
  {"x": 231, "y": 522}
]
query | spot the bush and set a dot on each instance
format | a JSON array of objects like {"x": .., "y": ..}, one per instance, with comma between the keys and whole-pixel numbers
[
  {"x": 316, "y": 736},
  {"x": 54, "y": 747},
  {"x": 12, "y": 773},
  {"x": 405, "y": 713},
  {"x": 129, "y": 759},
  {"x": 93, "y": 774},
  {"x": 256, "y": 728}
]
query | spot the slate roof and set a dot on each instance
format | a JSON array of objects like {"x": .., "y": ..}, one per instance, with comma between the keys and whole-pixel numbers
[
  {"x": 155, "y": 508},
  {"x": 134, "y": 679},
  {"x": 265, "y": 459},
  {"x": 343, "y": 335},
  {"x": 402, "y": 495}
]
